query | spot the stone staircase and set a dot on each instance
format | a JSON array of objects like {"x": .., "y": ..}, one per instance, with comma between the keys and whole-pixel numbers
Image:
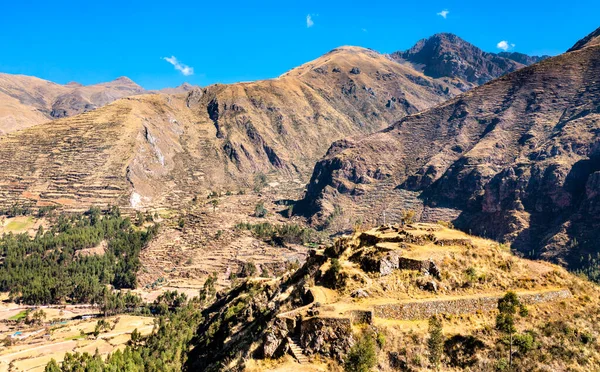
[{"x": 296, "y": 350}]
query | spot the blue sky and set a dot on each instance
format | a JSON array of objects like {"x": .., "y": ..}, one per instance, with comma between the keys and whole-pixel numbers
[{"x": 230, "y": 41}]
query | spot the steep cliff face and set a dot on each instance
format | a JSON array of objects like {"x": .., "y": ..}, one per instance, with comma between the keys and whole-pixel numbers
[
  {"x": 447, "y": 55},
  {"x": 516, "y": 159}
]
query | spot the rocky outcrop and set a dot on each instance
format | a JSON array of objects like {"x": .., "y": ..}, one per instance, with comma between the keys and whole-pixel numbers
[{"x": 331, "y": 337}]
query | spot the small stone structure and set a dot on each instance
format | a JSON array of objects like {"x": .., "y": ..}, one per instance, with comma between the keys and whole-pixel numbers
[{"x": 425, "y": 309}]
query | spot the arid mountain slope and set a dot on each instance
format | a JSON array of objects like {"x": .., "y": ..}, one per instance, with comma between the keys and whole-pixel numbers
[
  {"x": 517, "y": 159},
  {"x": 26, "y": 101},
  {"x": 590, "y": 40},
  {"x": 447, "y": 55},
  {"x": 387, "y": 282},
  {"x": 153, "y": 149}
]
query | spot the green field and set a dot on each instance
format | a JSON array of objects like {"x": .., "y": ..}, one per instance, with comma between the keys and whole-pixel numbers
[
  {"x": 19, "y": 316},
  {"x": 19, "y": 224}
]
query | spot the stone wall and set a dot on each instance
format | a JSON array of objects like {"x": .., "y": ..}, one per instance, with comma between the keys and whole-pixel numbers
[
  {"x": 426, "y": 309},
  {"x": 361, "y": 316}
]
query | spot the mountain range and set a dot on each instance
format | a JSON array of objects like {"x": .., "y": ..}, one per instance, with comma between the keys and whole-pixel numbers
[
  {"x": 26, "y": 101},
  {"x": 148, "y": 148}
]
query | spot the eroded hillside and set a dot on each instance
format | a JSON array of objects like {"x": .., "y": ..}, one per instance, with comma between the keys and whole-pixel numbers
[
  {"x": 157, "y": 149},
  {"x": 515, "y": 159}
]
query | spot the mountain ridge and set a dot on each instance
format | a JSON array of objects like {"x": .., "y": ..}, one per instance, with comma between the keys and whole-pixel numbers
[
  {"x": 172, "y": 147},
  {"x": 448, "y": 55},
  {"x": 515, "y": 159}
]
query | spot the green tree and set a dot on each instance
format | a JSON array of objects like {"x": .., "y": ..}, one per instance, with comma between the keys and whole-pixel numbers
[
  {"x": 508, "y": 306},
  {"x": 435, "y": 342},
  {"x": 362, "y": 357},
  {"x": 38, "y": 317},
  {"x": 52, "y": 366},
  {"x": 215, "y": 203}
]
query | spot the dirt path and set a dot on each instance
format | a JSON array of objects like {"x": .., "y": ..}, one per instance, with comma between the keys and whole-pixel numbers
[
  {"x": 324, "y": 295},
  {"x": 320, "y": 294}
]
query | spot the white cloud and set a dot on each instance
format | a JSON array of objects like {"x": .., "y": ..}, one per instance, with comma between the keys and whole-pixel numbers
[
  {"x": 184, "y": 69},
  {"x": 504, "y": 45},
  {"x": 444, "y": 13},
  {"x": 309, "y": 21},
  {"x": 364, "y": 30}
]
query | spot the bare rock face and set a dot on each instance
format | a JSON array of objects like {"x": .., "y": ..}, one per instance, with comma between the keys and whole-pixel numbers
[
  {"x": 360, "y": 293},
  {"x": 516, "y": 160},
  {"x": 389, "y": 263},
  {"x": 329, "y": 337}
]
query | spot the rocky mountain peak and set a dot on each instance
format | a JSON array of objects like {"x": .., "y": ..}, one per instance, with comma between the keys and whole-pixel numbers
[{"x": 447, "y": 55}]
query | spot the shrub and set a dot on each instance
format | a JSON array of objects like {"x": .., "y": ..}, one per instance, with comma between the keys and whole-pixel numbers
[
  {"x": 525, "y": 342},
  {"x": 260, "y": 210},
  {"x": 461, "y": 350},
  {"x": 362, "y": 356},
  {"x": 471, "y": 274},
  {"x": 332, "y": 276},
  {"x": 380, "y": 340},
  {"x": 408, "y": 217},
  {"x": 260, "y": 181}
]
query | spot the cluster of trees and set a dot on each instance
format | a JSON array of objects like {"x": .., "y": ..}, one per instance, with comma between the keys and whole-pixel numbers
[
  {"x": 46, "y": 269},
  {"x": 18, "y": 210}
]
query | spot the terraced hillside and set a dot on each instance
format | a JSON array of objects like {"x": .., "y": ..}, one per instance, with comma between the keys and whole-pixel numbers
[
  {"x": 26, "y": 101},
  {"x": 163, "y": 149},
  {"x": 515, "y": 159},
  {"x": 385, "y": 284}
]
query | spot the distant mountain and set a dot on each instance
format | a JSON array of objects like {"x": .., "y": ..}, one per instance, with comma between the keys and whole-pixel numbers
[
  {"x": 523, "y": 59},
  {"x": 159, "y": 149},
  {"x": 447, "y": 55},
  {"x": 183, "y": 88},
  {"x": 517, "y": 160},
  {"x": 26, "y": 101}
]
